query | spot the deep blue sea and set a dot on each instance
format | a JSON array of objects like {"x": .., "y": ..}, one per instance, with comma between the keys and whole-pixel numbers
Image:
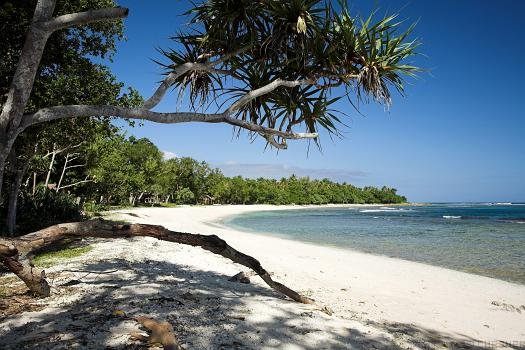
[{"x": 486, "y": 239}]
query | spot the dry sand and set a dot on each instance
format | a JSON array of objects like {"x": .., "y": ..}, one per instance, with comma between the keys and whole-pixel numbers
[{"x": 378, "y": 302}]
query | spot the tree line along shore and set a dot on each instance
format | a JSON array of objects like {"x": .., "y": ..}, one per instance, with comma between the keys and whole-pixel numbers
[{"x": 109, "y": 169}]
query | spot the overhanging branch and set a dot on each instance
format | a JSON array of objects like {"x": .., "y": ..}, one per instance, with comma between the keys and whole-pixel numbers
[
  {"x": 70, "y": 111},
  {"x": 80, "y": 18},
  {"x": 249, "y": 96},
  {"x": 144, "y": 113}
]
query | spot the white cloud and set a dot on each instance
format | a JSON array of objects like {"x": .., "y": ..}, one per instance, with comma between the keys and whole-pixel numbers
[
  {"x": 277, "y": 171},
  {"x": 169, "y": 155}
]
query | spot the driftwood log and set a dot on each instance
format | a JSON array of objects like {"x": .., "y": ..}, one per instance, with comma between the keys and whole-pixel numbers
[
  {"x": 159, "y": 333},
  {"x": 14, "y": 253}
]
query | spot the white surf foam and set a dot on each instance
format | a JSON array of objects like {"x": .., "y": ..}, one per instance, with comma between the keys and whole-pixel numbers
[{"x": 389, "y": 210}]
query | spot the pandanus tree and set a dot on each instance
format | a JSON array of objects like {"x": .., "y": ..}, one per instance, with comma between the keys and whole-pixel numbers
[{"x": 269, "y": 67}]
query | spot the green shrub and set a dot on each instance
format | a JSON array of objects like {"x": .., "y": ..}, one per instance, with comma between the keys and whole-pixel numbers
[
  {"x": 185, "y": 196},
  {"x": 46, "y": 208}
]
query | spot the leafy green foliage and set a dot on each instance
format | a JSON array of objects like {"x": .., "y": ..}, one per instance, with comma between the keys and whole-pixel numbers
[
  {"x": 133, "y": 170},
  {"x": 185, "y": 196},
  {"x": 301, "y": 191},
  {"x": 67, "y": 75},
  {"x": 46, "y": 208},
  {"x": 67, "y": 51},
  {"x": 123, "y": 167},
  {"x": 306, "y": 40}
]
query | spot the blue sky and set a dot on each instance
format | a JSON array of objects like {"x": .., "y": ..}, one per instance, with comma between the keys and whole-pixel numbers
[{"x": 459, "y": 135}]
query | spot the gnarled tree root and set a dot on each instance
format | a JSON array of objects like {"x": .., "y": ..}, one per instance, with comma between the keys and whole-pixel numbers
[{"x": 13, "y": 252}]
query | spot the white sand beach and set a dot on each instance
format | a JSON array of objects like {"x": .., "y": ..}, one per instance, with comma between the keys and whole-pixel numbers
[{"x": 378, "y": 302}]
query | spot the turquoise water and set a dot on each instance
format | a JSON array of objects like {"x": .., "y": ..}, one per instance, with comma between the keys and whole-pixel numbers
[{"x": 486, "y": 239}]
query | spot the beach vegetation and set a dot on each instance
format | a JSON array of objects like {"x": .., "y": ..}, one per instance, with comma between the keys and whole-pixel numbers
[
  {"x": 58, "y": 256},
  {"x": 132, "y": 172},
  {"x": 276, "y": 70}
]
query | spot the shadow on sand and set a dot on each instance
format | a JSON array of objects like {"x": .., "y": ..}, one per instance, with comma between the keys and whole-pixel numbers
[{"x": 206, "y": 311}]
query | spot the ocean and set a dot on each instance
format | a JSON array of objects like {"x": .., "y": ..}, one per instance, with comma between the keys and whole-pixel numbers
[{"x": 481, "y": 238}]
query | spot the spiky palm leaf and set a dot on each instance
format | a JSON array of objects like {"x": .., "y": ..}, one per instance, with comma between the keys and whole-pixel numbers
[{"x": 293, "y": 40}]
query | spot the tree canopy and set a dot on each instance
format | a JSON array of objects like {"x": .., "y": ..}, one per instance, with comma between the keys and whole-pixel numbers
[
  {"x": 67, "y": 74},
  {"x": 269, "y": 67},
  {"x": 273, "y": 68},
  {"x": 282, "y": 61},
  {"x": 125, "y": 169}
]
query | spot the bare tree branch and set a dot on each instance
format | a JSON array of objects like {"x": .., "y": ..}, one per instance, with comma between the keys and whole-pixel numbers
[
  {"x": 75, "y": 166},
  {"x": 70, "y": 157},
  {"x": 272, "y": 141},
  {"x": 60, "y": 112},
  {"x": 170, "y": 79},
  {"x": 241, "y": 102},
  {"x": 44, "y": 10},
  {"x": 269, "y": 131},
  {"x": 80, "y": 18},
  {"x": 70, "y": 111},
  {"x": 74, "y": 184}
]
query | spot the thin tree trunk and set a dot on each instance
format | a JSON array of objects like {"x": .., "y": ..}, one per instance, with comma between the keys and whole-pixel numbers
[
  {"x": 4, "y": 153},
  {"x": 22, "y": 81},
  {"x": 14, "y": 190},
  {"x": 34, "y": 184},
  {"x": 51, "y": 163},
  {"x": 2, "y": 168},
  {"x": 35, "y": 279},
  {"x": 13, "y": 200},
  {"x": 63, "y": 172}
]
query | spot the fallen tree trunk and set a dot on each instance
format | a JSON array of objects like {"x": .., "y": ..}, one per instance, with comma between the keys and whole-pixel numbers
[
  {"x": 35, "y": 279},
  {"x": 13, "y": 252}
]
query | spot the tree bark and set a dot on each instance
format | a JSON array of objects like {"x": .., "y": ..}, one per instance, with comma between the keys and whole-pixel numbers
[
  {"x": 4, "y": 154},
  {"x": 34, "y": 184},
  {"x": 13, "y": 199},
  {"x": 35, "y": 279},
  {"x": 50, "y": 168},
  {"x": 63, "y": 172}
]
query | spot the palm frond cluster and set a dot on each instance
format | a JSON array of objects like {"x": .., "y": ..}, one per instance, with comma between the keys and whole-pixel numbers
[{"x": 308, "y": 40}]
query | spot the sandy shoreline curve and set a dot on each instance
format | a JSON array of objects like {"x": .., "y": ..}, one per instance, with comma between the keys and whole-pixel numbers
[
  {"x": 378, "y": 302},
  {"x": 378, "y": 287}
]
